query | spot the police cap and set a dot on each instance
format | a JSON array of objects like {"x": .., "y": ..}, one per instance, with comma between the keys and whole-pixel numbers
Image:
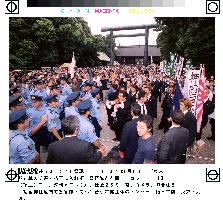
[
  {"x": 88, "y": 83},
  {"x": 63, "y": 78},
  {"x": 37, "y": 81},
  {"x": 15, "y": 100},
  {"x": 56, "y": 86},
  {"x": 36, "y": 97},
  {"x": 73, "y": 96},
  {"x": 51, "y": 98},
  {"x": 84, "y": 105},
  {"x": 95, "y": 91},
  {"x": 17, "y": 115}
]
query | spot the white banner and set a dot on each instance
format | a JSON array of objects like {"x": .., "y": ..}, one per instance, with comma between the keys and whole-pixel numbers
[
  {"x": 72, "y": 66},
  {"x": 192, "y": 90},
  {"x": 161, "y": 66},
  {"x": 179, "y": 68}
]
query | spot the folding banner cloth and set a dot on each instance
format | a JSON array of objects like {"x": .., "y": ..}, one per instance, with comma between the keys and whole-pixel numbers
[
  {"x": 191, "y": 88},
  {"x": 200, "y": 98},
  {"x": 72, "y": 66}
]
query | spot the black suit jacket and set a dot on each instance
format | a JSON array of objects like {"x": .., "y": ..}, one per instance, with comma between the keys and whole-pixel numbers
[
  {"x": 151, "y": 106},
  {"x": 208, "y": 108},
  {"x": 167, "y": 105},
  {"x": 123, "y": 114},
  {"x": 131, "y": 98},
  {"x": 173, "y": 146},
  {"x": 129, "y": 141},
  {"x": 112, "y": 96},
  {"x": 157, "y": 85},
  {"x": 72, "y": 150},
  {"x": 190, "y": 123}
]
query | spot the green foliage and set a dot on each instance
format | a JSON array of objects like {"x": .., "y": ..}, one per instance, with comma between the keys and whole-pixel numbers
[
  {"x": 192, "y": 38},
  {"x": 36, "y": 42}
]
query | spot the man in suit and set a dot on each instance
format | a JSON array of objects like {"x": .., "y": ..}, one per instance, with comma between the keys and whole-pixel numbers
[
  {"x": 208, "y": 108},
  {"x": 112, "y": 96},
  {"x": 129, "y": 139},
  {"x": 157, "y": 86},
  {"x": 151, "y": 102},
  {"x": 71, "y": 150},
  {"x": 142, "y": 98},
  {"x": 121, "y": 113},
  {"x": 173, "y": 145},
  {"x": 189, "y": 121},
  {"x": 167, "y": 106},
  {"x": 132, "y": 94}
]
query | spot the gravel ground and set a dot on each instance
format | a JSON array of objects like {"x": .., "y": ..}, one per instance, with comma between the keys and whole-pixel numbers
[{"x": 207, "y": 155}]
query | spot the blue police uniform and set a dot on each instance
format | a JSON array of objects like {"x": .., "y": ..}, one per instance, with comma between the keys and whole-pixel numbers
[
  {"x": 66, "y": 90},
  {"x": 41, "y": 93},
  {"x": 53, "y": 119},
  {"x": 62, "y": 102},
  {"x": 87, "y": 95},
  {"x": 35, "y": 115},
  {"x": 21, "y": 146},
  {"x": 86, "y": 129},
  {"x": 95, "y": 112},
  {"x": 72, "y": 110}
]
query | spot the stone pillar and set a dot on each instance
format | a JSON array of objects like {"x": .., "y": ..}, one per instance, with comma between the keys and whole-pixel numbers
[
  {"x": 111, "y": 49},
  {"x": 146, "y": 46}
]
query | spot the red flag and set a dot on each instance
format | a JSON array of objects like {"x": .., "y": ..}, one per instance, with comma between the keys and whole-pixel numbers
[{"x": 200, "y": 98}]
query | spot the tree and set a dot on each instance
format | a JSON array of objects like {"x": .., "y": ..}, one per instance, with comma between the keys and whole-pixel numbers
[
  {"x": 192, "y": 38},
  {"x": 36, "y": 42}
]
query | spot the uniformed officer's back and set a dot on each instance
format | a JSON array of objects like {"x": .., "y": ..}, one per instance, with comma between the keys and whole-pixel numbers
[{"x": 21, "y": 146}]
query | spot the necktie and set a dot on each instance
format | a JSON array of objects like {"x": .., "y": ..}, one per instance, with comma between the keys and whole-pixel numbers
[{"x": 143, "y": 109}]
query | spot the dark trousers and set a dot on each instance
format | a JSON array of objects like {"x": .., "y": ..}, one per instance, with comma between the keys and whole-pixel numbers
[
  {"x": 110, "y": 118},
  {"x": 158, "y": 95},
  {"x": 212, "y": 122},
  {"x": 198, "y": 136},
  {"x": 52, "y": 138},
  {"x": 41, "y": 138}
]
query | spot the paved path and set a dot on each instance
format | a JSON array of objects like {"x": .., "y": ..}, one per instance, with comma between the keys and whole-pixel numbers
[{"x": 206, "y": 157}]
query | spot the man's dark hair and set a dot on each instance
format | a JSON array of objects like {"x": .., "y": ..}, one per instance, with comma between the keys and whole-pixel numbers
[
  {"x": 83, "y": 112},
  {"x": 69, "y": 124},
  {"x": 124, "y": 93},
  {"x": 177, "y": 116},
  {"x": 135, "y": 86},
  {"x": 141, "y": 94},
  {"x": 136, "y": 109},
  {"x": 148, "y": 120},
  {"x": 112, "y": 158},
  {"x": 114, "y": 86}
]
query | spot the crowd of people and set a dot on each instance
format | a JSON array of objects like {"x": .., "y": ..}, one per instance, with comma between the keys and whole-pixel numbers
[{"x": 55, "y": 113}]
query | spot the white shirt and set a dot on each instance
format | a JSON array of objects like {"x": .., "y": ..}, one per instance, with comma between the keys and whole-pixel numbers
[{"x": 143, "y": 106}]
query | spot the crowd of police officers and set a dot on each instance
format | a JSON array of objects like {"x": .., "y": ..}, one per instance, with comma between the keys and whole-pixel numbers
[{"x": 39, "y": 101}]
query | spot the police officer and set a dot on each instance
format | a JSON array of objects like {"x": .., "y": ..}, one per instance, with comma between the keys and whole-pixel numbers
[
  {"x": 16, "y": 103},
  {"x": 65, "y": 88},
  {"x": 87, "y": 88},
  {"x": 95, "y": 116},
  {"x": 21, "y": 146},
  {"x": 53, "y": 122},
  {"x": 26, "y": 89},
  {"x": 36, "y": 113},
  {"x": 95, "y": 112},
  {"x": 55, "y": 90},
  {"x": 38, "y": 89},
  {"x": 73, "y": 99},
  {"x": 87, "y": 130}
]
